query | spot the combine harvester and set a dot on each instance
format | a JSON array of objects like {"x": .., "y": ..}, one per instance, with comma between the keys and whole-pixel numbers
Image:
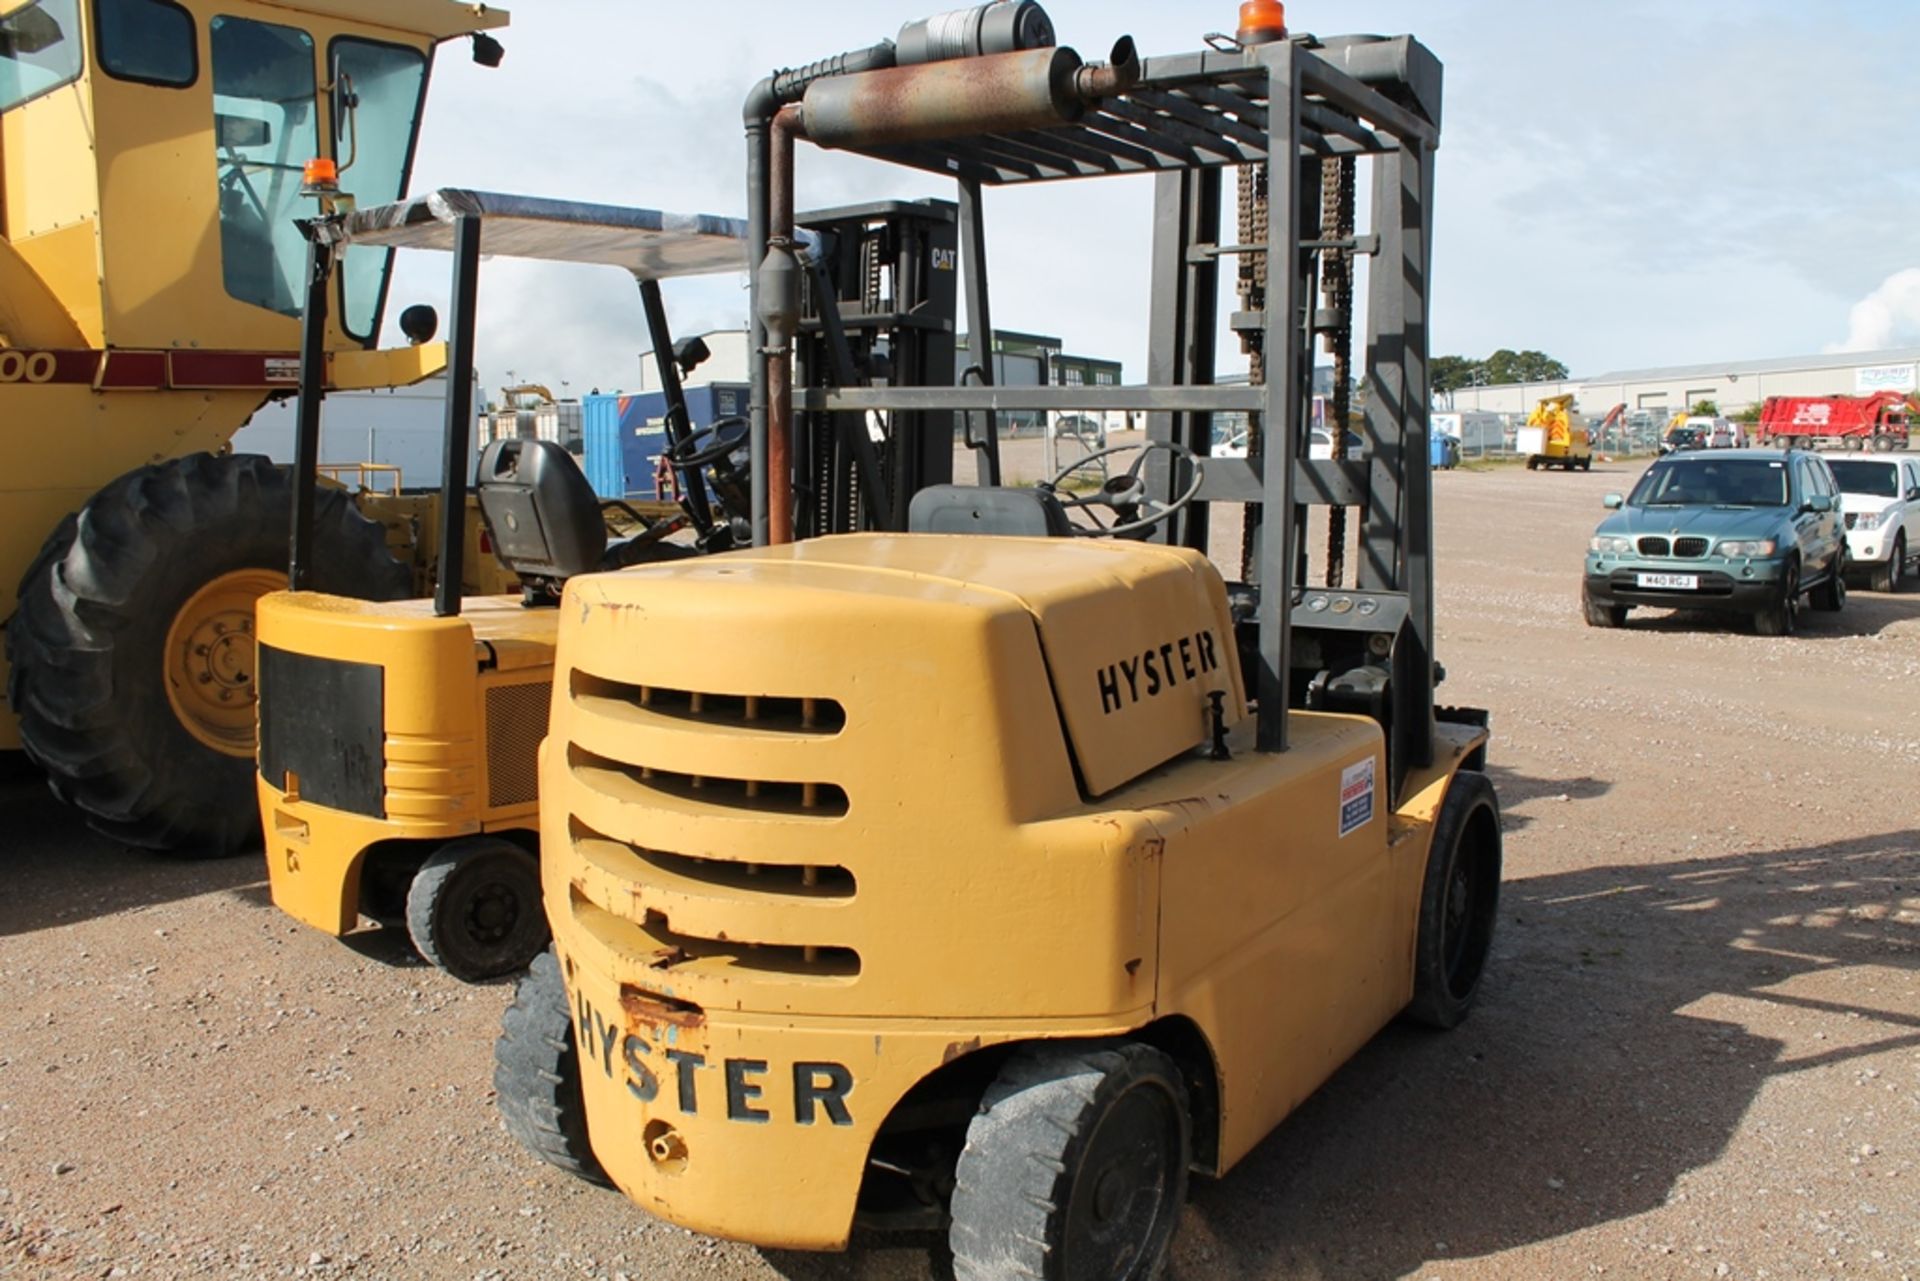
[{"x": 156, "y": 155}]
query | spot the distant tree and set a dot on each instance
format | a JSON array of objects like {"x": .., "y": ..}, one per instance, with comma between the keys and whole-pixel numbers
[
  {"x": 1509, "y": 366},
  {"x": 1751, "y": 414},
  {"x": 1707, "y": 409},
  {"x": 1451, "y": 373}
]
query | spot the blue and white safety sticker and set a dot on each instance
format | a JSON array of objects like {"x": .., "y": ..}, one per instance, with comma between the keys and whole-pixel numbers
[{"x": 1356, "y": 796}]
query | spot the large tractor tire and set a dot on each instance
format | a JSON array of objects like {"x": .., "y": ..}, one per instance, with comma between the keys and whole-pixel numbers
[{"x": 132, "y": 649}]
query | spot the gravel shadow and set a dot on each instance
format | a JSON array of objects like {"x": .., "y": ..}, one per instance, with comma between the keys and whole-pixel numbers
[
  {"x": 59, "y": 871},
  {"x": 1581, "y": 1090}
]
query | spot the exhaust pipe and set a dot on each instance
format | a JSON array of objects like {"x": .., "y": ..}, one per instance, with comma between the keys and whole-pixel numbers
[{"x": 993, "y": 93}]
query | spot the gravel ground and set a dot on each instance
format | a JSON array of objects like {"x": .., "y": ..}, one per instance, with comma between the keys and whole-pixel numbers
[{"x": 1697, "y": 1053}]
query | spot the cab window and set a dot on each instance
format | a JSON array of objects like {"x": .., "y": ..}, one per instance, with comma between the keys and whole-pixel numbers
[
  {"x": 150, "y": 41},
  {"x": 39, "y": 50},
  {"x": 264, "y": 133},
  {"x": 377, "y": 93}
]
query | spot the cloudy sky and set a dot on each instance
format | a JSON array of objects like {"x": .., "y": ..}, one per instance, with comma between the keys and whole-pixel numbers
[{"x": 1620, "y": 183}]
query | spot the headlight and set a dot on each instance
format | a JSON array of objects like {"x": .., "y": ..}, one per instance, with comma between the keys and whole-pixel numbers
[
  {"x": 1748, "y": 547},
  {"x": 1607, "y": 544},
  {"x": 1871, "y": 520}
]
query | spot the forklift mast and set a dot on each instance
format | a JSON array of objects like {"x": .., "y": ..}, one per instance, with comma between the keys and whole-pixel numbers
[
  {"x": 1296, "y": 117},
  {"x": 877, "y": 305}
]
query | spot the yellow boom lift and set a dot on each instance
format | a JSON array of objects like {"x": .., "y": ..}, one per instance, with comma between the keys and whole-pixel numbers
[
  {"x": 982, "y": 880},
  {"x": 153, "y": 155},
  {"x": 1556, "y": 435}
]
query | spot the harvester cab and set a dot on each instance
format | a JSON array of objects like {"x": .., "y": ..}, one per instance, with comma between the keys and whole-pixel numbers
[
  {"x": 154, "y": 158},
  {"x": 397, "y": 763},
  {"x": 986, "y": 884}
]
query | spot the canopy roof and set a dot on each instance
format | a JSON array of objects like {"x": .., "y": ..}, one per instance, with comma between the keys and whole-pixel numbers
[{"x": 647, "y": 242}]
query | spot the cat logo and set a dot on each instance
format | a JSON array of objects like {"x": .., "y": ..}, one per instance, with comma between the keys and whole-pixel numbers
[{"x": 945, "y": 259}]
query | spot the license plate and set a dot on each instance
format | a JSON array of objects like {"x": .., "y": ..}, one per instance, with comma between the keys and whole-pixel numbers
[{"x": 1677, "y": 582}]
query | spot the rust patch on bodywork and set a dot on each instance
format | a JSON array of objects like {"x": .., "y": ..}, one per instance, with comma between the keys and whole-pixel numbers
[
  {"x": 958, "y": 1049},
  {"x": 659, "y": 1011}
]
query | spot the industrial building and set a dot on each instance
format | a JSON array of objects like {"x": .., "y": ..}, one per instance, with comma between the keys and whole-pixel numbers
[{"x": 1732, "y": 385}]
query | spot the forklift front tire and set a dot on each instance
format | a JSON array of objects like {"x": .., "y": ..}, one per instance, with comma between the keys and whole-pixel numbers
[
  {"x": 474, "y": 909},
  {"x": 1459, "y": 902},
  {"x": 1075, "y": 1166},
  {"x": 536, "y": 1074}
]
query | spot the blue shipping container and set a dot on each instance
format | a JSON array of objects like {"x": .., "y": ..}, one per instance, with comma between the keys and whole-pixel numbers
[{"x": 625, "y": 436}]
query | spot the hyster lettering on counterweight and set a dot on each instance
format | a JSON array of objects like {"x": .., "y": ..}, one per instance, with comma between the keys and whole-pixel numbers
[
  {"x": 1145, "y": 675},
  {"x": 819, "y": 1088}
]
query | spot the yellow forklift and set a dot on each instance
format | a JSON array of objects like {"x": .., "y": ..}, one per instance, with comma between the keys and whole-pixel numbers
[
  {"x": 153, "y": 155},
  {"x": 988, "y": 883},
  {"x": 396, "y": 767},
  {"x": 396, "y": 773}
]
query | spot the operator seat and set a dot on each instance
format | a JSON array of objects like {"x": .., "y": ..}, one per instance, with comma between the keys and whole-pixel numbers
[
  {"x": 976, "y": 509},
  {"x": 542, "y": 514}
]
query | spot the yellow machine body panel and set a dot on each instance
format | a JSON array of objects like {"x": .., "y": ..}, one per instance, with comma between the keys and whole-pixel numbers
[
  {"x": 122, "y": 339},
  {"x": 461, "y": 710},
  {"x": 818, "y": 821}
]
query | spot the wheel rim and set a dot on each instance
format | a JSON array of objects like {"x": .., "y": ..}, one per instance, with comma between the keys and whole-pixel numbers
[
  {"x": 1122, "y": 1198},
  {"x": 484, "y": 922},
  {"x": 209, "y": 660}
]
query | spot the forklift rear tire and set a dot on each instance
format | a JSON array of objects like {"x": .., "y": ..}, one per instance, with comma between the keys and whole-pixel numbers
[
  {"x": 132, "y": 647},
  {"x": 474, "y": 909},
  {"x": 1075, "y": 1166},
  {"x": 536, "y": 1074},
  {"x": 1459, "y": 903}
]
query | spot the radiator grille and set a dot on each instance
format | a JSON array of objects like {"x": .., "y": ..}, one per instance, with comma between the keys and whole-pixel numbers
[
  {"x": 1691, "y": 548},
  {"x": 763, "y": 713},
  {"x": 1655, "y": 547},
  {"x": 516, "y": 722},
  {"x": 1851, "y": 517},
  {"x": 742, "y": 796},
  {"x": 637, "y": 865}
]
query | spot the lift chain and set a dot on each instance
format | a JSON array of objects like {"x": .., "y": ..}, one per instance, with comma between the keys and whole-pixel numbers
[
  {"x": 1336, "y": 289},
  {"x": 1253, "y": 298}
]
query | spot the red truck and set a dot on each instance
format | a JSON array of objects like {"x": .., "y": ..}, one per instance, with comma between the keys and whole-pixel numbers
[{"x": 1879, "y": 421}]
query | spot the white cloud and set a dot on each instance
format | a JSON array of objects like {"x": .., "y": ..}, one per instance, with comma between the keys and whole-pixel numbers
[
  {"x": 1887, "y": 317},
  {"x": 1626, "y": 184}
]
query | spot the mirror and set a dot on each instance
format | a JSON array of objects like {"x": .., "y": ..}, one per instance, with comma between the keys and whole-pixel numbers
[
  {"x": 419, "y": 323},
  {"x": 1913, "y": 494},
  {"x": 1612, "y": 502},
  {"x": 1819, "y": 502},
  {"x": 27, "y": 32},
  {"x": 239, "y": 133}
]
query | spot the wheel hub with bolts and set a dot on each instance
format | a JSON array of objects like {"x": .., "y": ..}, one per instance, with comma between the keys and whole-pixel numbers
[{"x": 209, "y": 660}]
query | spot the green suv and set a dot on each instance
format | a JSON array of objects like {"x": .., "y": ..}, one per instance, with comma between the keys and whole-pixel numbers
[{"x": 1737, "y": 531}]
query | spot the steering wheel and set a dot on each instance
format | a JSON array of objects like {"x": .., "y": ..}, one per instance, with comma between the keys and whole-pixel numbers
[
  {"x": 722, "y": 436},
  {"x": 1126, "y": 493}
]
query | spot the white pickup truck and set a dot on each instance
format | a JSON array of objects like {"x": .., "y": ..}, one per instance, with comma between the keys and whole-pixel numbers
[{"x": 1880, "y": 503}]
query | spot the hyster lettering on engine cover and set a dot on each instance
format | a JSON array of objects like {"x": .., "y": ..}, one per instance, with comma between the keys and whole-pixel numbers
[
  {"x": 807, "y": 1091},
  {"x": 1147, "y": 674}
]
